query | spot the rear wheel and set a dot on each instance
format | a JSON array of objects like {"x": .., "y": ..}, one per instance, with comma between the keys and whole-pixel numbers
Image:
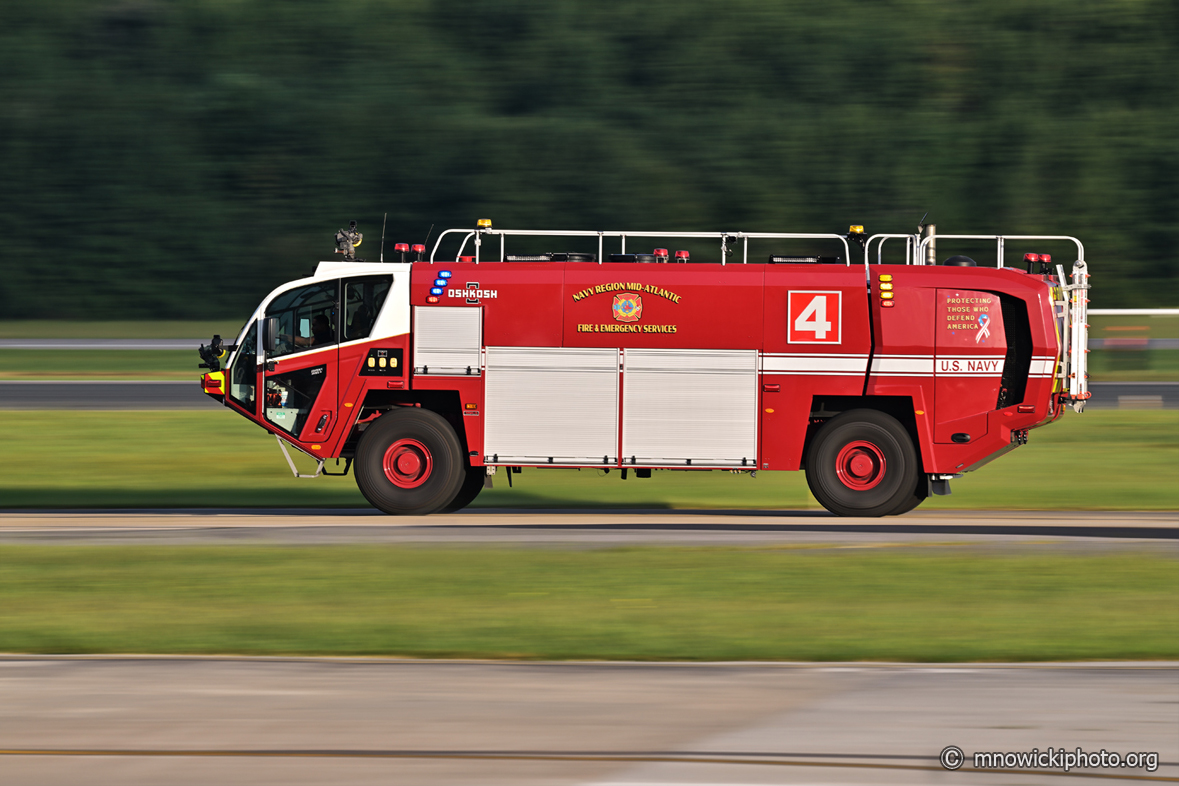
[
  {"x": 409, "y": 463},
  {"x": 863, "y": 463},
  {"x": 472, "y": 485}
]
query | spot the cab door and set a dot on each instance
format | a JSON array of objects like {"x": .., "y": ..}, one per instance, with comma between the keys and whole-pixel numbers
[{"x": 301, "y": 345}]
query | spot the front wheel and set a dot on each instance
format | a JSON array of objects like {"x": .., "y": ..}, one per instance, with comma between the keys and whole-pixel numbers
[
  {"x": 409, "y": 463},
  {"x": 862, "y": 463},
  {"x": 912, "y": 500}
]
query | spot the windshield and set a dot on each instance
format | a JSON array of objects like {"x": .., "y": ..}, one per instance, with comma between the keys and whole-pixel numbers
[{"x": 243, "y": 371}]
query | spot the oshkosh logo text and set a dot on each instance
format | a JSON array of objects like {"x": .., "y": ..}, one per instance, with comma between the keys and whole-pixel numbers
[{"x": 472, "y": 294}]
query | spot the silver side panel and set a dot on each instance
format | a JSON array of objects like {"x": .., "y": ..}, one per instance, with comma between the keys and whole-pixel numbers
[
  {"x": 690, "y": 407},
  {"x": 446, "y": 341},
  {"x": 557, "y": 406}
]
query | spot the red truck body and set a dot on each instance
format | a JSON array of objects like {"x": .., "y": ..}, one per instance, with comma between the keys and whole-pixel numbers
[{"x": 882, "y": 381}]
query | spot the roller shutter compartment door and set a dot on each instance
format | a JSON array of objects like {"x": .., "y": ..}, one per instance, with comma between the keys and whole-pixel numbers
[
  {"x": 684, "y": 407},
  {"x": 447, "y": 340},
  {"x": 551, "y": 405}
]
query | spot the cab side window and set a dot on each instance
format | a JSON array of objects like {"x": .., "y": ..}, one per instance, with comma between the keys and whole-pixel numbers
[
  {"x": 363, "y": 298},
  {"x": 305, "y": 318}
]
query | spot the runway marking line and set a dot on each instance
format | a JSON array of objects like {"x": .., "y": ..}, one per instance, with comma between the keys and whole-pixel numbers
[{"x": 578, "y": 757}]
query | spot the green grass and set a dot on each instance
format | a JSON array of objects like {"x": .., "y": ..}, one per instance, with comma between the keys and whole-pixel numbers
[
  {"x": 52, "y": 328},
  {"x": 137, "y": 364},
  {"x": 1102, "y": 460},
  {"x": 647, "y": 603},
  {"x": 1150, "y": 326},
  {"x": 1128, "y": 365}
]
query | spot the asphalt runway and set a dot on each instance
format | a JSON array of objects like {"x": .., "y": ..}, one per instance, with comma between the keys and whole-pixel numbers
[
  {"x": 106, "y": 396},
  {"x": 290, "y": 721},
  {"x": 599, "y": 529},
  {"x": 181, "y": 720},
  {"x": 182, "y": 395}
]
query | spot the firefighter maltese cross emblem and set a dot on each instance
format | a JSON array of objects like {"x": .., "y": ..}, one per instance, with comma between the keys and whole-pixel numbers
[{"x": 628, "y": 307}]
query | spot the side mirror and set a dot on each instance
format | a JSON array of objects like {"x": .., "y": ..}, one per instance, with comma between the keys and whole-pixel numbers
[{"x": 270, "y": 334}]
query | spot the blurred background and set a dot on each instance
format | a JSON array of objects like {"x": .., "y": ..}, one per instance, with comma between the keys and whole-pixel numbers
[
  {"x": 166, "y": 163},
  {"x": 176, "y": 160}
]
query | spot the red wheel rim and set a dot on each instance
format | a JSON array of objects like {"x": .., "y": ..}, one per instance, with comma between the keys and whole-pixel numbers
[
  {"x": 860, "y": 465},
  {"x": 407, "y": 463}
]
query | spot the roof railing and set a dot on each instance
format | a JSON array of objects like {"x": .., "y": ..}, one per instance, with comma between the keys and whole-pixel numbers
[
  {"x": 916, "y": 247},
  {"x": 1000, "y": 240},
  {"x": 910, "y": 243},
  {"x": 726, "y": 239}
]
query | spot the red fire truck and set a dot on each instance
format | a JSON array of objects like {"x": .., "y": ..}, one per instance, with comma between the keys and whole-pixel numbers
[{"x": 881, "y": 379}]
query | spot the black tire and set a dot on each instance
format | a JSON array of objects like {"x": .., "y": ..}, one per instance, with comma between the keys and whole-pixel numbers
[
  {"x": 409, "y": 463},
  {"x": 862, "y": 463},
  {"x": 915, "y": 499},
  {"x": 472, "y": 485}
]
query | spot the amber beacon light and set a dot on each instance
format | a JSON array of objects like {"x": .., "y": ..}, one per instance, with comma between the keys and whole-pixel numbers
[{"x": 885, "y": 290}]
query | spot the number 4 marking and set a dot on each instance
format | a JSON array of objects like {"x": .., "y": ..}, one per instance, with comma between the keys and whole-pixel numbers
[{"x": 814, "y": 317}]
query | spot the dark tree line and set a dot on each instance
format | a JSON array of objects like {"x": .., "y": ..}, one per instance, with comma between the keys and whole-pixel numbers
[{"x": 177, "y": 159}]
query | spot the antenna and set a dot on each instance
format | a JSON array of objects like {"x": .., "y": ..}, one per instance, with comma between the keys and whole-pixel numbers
[
  {"x": 383, "y": 222},
  {"x": 426, "y": 242},
  {"x": 921, "y": 223}
]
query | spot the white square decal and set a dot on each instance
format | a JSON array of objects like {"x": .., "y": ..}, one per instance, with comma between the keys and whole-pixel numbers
[{"x": 814, "y": 317}]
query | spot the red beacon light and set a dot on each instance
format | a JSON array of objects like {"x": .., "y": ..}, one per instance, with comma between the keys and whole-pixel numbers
[
  {"x": 420, "y": 250},
  {"x": 682, "y": 256},
  {"x": 661, "y": 255},
  {"x": 1044, "y": 260},
  {"x": 401, "y": 248},
  {"x": 466, "y": 259}
]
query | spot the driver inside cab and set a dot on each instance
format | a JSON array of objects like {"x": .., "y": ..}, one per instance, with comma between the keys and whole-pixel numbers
[{"x": 321, "y": 333}]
